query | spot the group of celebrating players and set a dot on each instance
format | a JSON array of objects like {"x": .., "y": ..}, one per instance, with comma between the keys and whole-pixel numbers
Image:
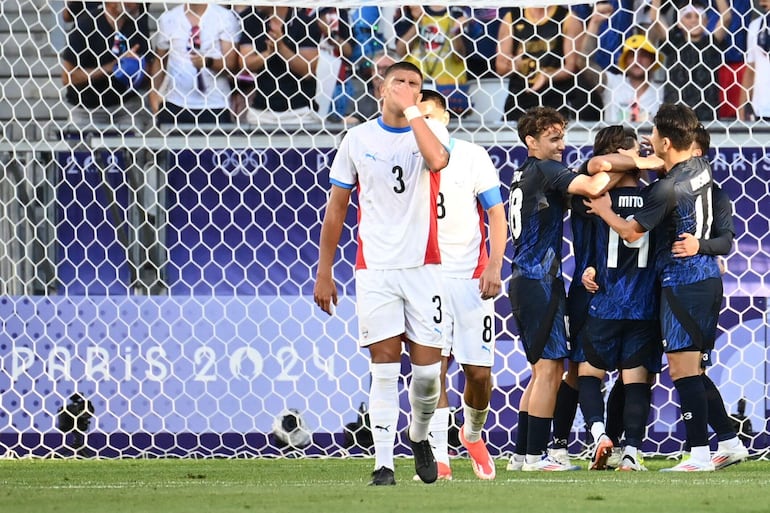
[{"x": 647, "y": 281}]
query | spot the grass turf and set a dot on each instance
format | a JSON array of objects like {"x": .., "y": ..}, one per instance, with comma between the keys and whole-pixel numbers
[{"x": 339, "y": 485}]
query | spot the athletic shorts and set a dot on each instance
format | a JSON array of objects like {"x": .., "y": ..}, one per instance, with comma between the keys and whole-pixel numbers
[
  {"x": 578, "y": 301},
  {"x": 689, "y": 315},
  {"x": 469, "y": 323},
  {"x": 621, "y": 343},
  {"x": 390, "y": 302},
  {"x": 539, "y": 307}
]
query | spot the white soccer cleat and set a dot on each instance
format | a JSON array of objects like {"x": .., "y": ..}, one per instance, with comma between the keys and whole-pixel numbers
[
  {"x": 562, "y": 456},
  {"x": 547, "y": 464},
  {"x": 515, "y": 463},
  {"x": 629, "y": 464},
  {"x": 726, "y": 457},
  {"x": 691, "y": 465}
]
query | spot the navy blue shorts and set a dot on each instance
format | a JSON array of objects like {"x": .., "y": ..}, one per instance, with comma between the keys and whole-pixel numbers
[
  {"x": 622, "y": 343},
  {"x": 578, "y": 301},
  {"x": 689, "y": 316},
  {"x": 539, "y": 307}
]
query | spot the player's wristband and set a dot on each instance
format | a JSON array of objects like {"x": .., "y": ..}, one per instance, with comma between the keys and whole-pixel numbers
[{"x": 412, "y": 112}]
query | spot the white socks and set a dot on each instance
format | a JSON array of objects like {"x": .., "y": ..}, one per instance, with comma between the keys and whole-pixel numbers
[
  {"x": 474, "y": 422},
  {"x": 597, "y": 430},
  {"x": 383, "y": 411},
  {"x": 423, "y": 397},
  {"x": 439, "y": 435}
]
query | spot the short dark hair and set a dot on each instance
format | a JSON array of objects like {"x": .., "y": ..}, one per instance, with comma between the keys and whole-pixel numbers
[
  {"x": 703, "y": 139},
  {"x": 537, "y": 120},
  {"x": 429, "y": 95},
  {"x": 403, "y": 65},
  {"x": 678, "y": 123},
  {"x": 612, "y": 138}
]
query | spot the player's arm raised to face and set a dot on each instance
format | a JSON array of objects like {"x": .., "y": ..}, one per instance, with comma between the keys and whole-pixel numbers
[
  {"x": 432, "y": 148},
  {"x": 325, "y": 291}
]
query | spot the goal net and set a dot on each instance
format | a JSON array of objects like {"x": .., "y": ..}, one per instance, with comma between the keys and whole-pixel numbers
[{"x": 161, "y": 208}]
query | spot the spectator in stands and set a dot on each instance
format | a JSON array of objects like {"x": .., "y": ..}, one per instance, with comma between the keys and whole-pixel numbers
[
  {"x": 537, "y": 52},
  {"x": 633, "y": 96},
  {"x": 333, "y": 67},
  {"x": 279, "y": 50},
  {"x": 755, "y": 104},
  {"x": 103, "y": 68},
  {"x": 368, "y": 104},
  {"x": 432, "y": 38},
  {"x": 606, "y": 26},
  {"x": 73, "y": 9},
  {"x": 481, "y": 48},
  {"x": 731, "y": 70},
  {"x": 195, "y": 46},
  {"x": 367, "y": 44},
  {"x": 692, "y": 56}
]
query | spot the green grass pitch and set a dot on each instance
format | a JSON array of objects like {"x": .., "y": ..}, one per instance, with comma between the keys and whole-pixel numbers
[{"x": 339, "y": 485}]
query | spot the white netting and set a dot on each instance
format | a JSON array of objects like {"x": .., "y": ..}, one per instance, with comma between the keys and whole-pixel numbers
[{"x": 165, "y": 272}]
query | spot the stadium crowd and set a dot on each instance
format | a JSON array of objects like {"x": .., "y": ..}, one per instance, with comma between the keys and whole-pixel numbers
[{"x": 261, "y": 66}]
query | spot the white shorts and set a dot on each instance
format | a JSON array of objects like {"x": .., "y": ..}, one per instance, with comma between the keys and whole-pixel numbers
[
  {"x": 469, "y": 325},
  {"x": 394, "y": 301}
]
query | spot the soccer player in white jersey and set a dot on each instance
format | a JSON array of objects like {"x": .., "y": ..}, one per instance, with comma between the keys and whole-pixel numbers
[
  {"x": 393, "y": 163},
  {"x": 470, "y": 184}
]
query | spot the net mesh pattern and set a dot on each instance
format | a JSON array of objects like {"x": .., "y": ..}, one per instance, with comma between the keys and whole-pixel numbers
[{"x": 157, "y": 269}]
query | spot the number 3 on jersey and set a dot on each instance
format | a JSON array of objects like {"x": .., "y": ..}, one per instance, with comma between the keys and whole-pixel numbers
[{"x": 514, "y": 211}]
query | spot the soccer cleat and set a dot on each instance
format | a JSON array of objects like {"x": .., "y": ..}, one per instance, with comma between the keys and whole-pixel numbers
[
  {"x": 629, "y": 464},
  {"x": 425, "y": 464},
  {"x": 383, "y": 476},
  {"x": 444, "y": 473},
  {"x": 562, "y": 456},
  {"x": 546, "y": 464},
  {"x": 691, "y": 465},
  {"x": 482, "y": 463},
  {"x": 726, "y": 457},
  {"x": 515, "y": 463},
  {"x": 601, "y": 453},
  {"x": 615, "y": 458}
]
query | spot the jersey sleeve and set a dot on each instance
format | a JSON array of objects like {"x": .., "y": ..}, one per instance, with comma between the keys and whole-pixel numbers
[
  {"x": 723, "y": 228},
  {"x": 660, "y": 200},
  {"x": 343, "y": 171},
  {"x": 557, "y": 176},
  {"x": 487, "y": 183}
]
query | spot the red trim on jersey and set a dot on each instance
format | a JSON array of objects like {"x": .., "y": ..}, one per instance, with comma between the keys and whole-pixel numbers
[
  {"x": 360, "y": 261},
  {"x": 481, "y": 264},
  {"x": 432, "y": 252}
]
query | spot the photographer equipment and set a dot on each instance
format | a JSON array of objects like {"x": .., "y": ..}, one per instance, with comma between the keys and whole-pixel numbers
[{"x": 74, "y": 419}]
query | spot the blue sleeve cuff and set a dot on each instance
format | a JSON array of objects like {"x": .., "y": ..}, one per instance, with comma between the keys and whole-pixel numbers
[
  {"x": 490, "y": 198},
  {"x": 341, "y": 184}
]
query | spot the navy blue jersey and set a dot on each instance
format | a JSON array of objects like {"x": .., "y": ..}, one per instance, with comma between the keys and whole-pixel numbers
[
  {"x": 625, "y": 272},
  {"x": 536, "y": 216},
  {"x": 681, "y": 202}
]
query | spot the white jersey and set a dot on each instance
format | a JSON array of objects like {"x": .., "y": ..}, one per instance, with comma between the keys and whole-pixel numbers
[
  {"x": 619, "y": 99},
  {"x": 174, "y": 35},
  {"x": 760, "y": 60},
  {"x": 468, "y": 182},
  {"x": 397, "y": 226}
]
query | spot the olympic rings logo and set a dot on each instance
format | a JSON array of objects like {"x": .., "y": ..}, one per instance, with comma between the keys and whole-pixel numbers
[{"x": 241, "y": 161}]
